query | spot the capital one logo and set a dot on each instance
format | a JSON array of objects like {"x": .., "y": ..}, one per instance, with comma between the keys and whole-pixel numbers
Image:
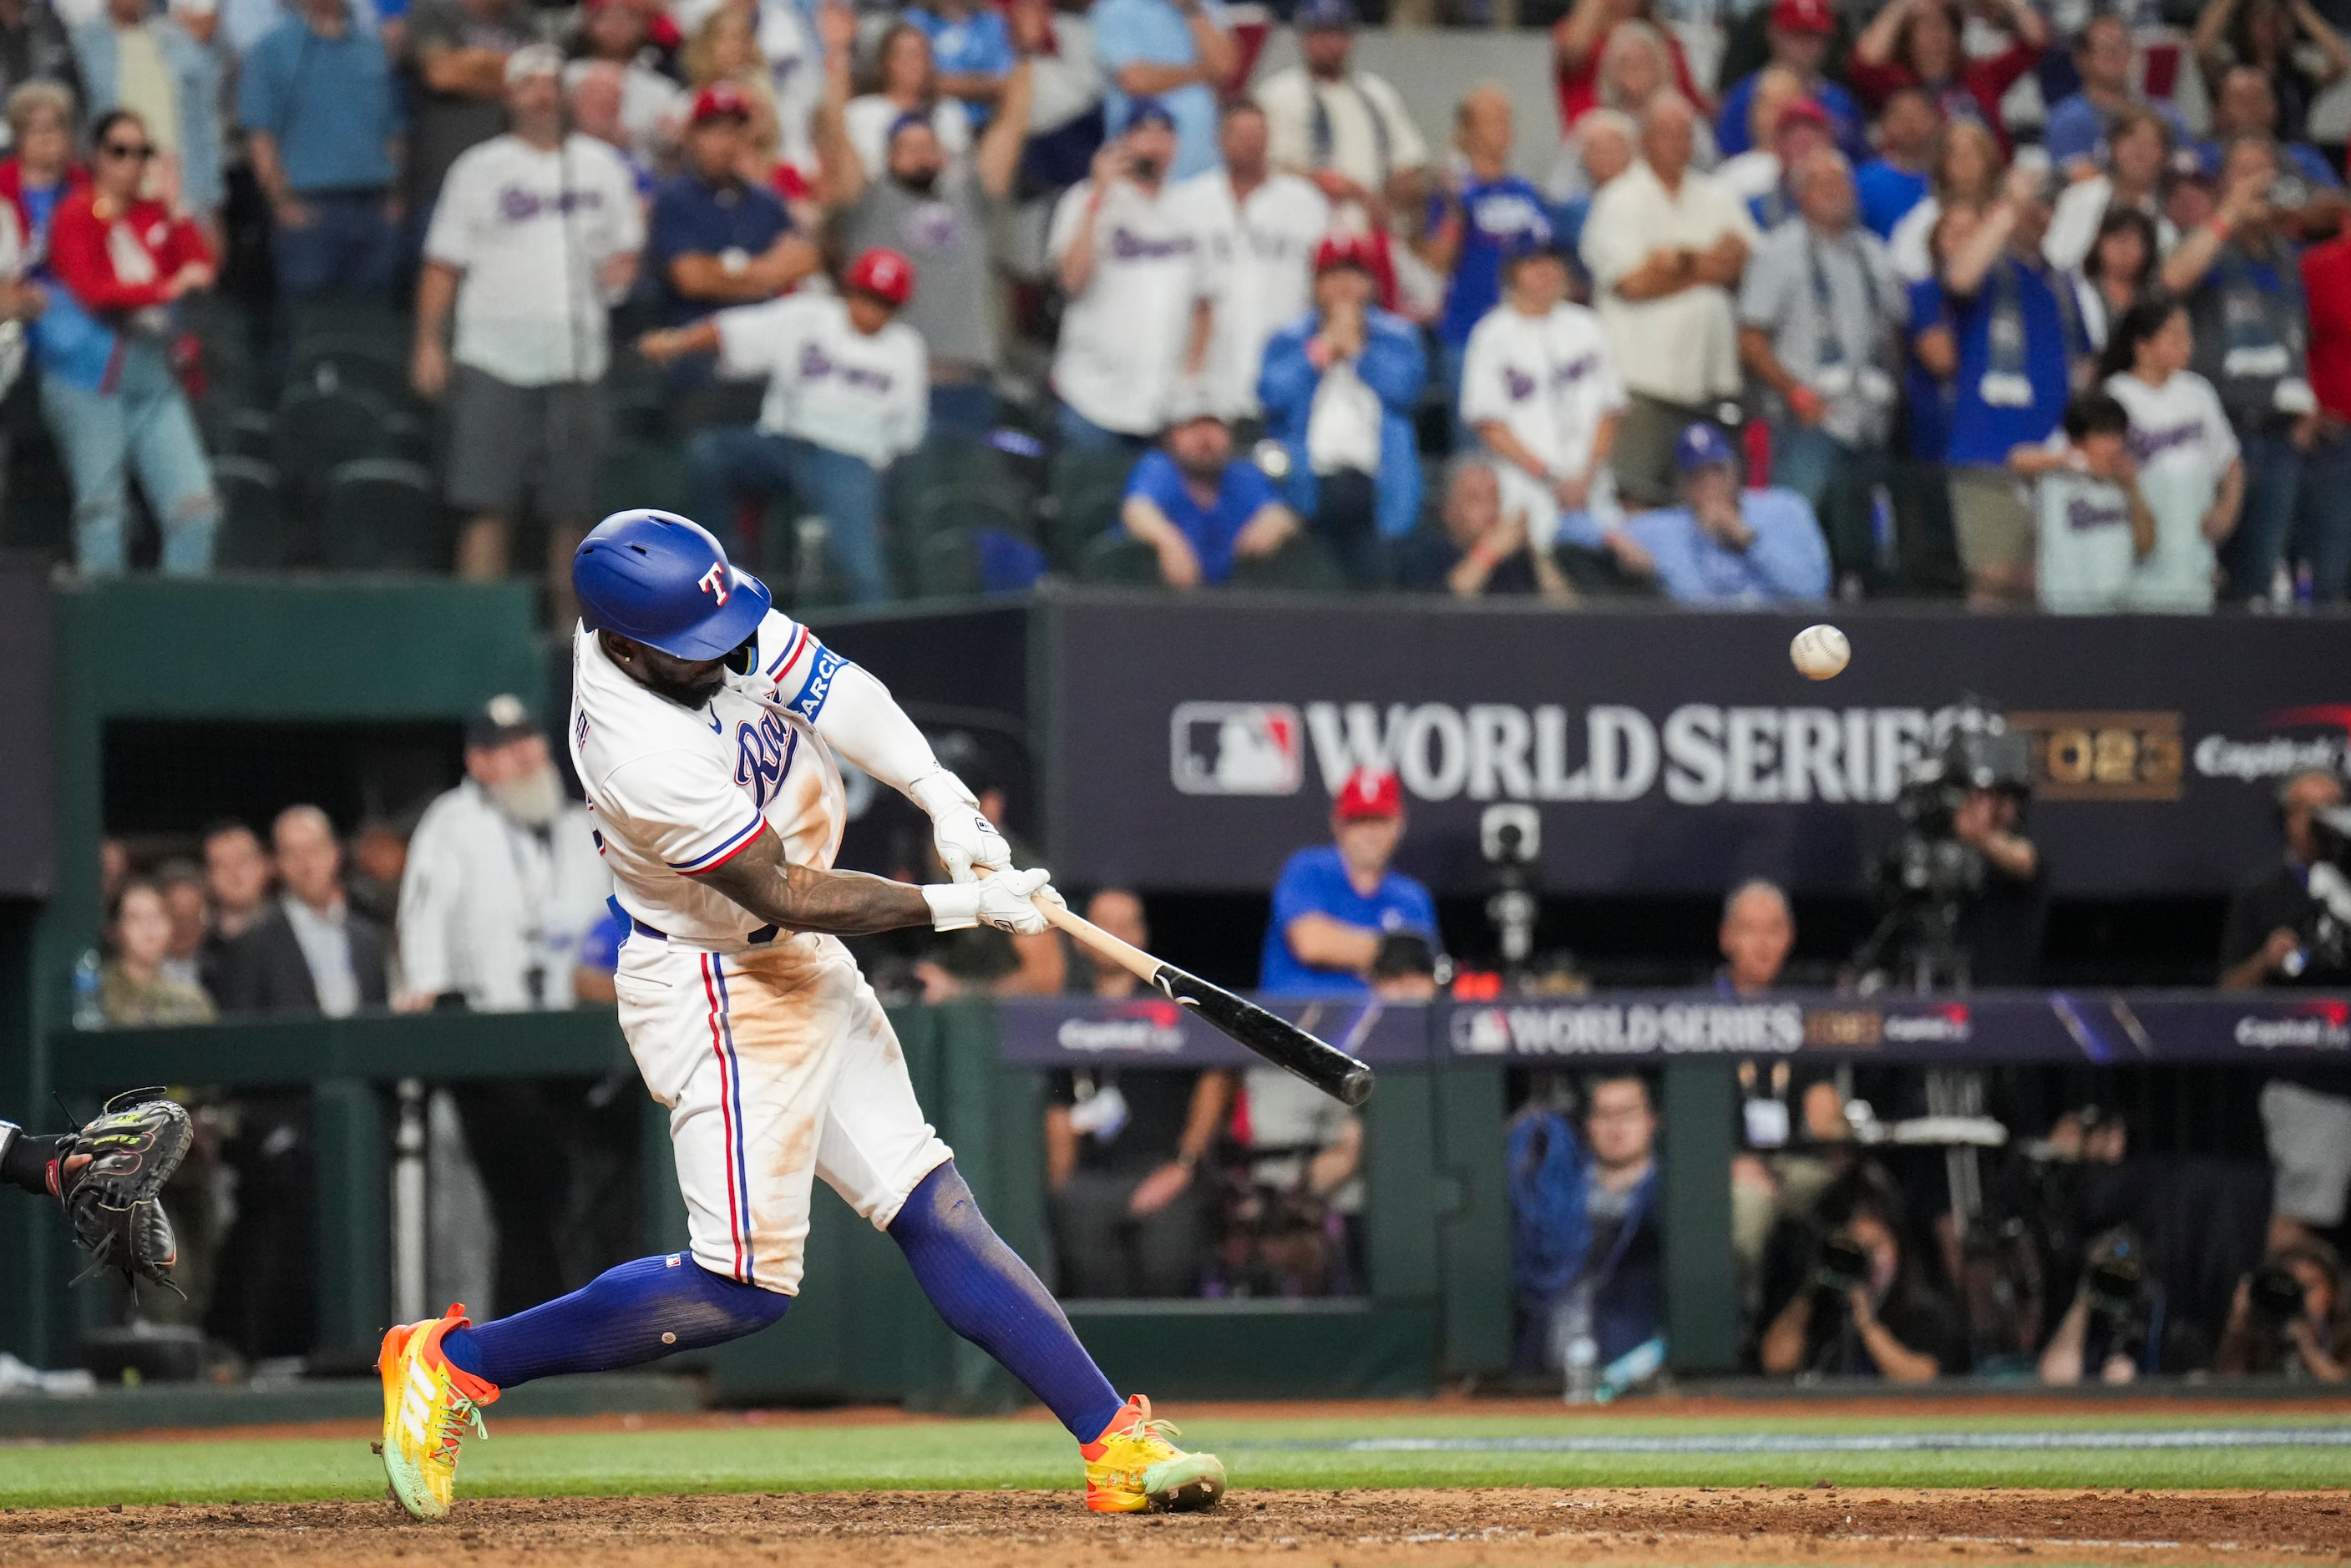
[
  {"x": 714, "y": 582},
  {"x": 1236, "y": 748}
]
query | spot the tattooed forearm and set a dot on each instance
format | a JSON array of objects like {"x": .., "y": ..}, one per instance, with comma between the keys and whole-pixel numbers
[{"x": 803, "y": 899}]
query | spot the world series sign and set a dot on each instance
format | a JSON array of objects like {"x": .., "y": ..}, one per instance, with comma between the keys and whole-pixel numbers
[{"x": 1196, "y": 744}]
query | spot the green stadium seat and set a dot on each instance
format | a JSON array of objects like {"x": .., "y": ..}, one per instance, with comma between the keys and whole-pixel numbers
[
  {"x": 1118, "y": 560},
  {"x": 329, "y": 364},
  {"x": 380, "y": 515},
  {"x": 1301, "y": 565},
  {"x": 317, "y": 432},
  {"x": 353, "y": 322},
  {"x": 252, "y": 537},
  {"x": 1083, "y": 492},
  {"x": 631, "y": 474},
  {"x": 946, "y": 565},
  {"x": 248, "y": 433}
]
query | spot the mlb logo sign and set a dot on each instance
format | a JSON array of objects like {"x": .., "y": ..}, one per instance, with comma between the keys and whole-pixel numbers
[{"x": 1235, "y": 747}]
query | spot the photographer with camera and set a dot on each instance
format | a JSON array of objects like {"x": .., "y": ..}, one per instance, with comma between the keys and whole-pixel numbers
[
  {"x": 2285, "y": 930},
  {"x": 2113, "y": 1329},
  {"x": 2290, "y": 1316},
  {"x": 1866, "y": 1310}
]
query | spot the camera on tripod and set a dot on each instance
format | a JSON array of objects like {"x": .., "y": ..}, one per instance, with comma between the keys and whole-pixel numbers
[
  {"x": 1510, "y": 837},
  {"x": 1926, "y": 876}
]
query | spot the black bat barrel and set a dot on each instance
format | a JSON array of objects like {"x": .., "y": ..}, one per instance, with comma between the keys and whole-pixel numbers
[{"x": 1277, "y": 1040}]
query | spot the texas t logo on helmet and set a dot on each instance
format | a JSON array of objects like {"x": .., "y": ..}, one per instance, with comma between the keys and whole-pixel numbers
[{"x": 714, "y": 582}]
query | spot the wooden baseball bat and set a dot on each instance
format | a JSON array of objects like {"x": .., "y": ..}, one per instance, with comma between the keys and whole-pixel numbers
[{"x": 1277, "y": 1040}]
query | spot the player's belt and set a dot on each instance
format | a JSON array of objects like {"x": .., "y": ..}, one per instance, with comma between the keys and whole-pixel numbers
[{"x": 757, "y": 939}]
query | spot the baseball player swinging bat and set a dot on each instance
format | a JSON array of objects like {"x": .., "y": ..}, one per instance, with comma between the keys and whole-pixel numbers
[{"x": 1277, "y": 1040}]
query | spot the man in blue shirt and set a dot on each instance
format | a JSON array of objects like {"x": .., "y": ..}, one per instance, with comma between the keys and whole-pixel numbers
[
  {"x": 713, "y": 239},
  {"x": 1176, "y": 51},
  {"x": 2015, "y": 337},
  {"x": 2076, "y": 130},
  {"x": 1334, "y": 906},
  {"x": 1725, "y": 547},
  {"x": 1197, "y": 508},
  {"x": 1475, "y": 220},
  {"x": 1896, "y": 179},
  {"x": 322, "y": 119},
  {"x": 971, "y": 50},
  {"x": 1799, "y": 36}
]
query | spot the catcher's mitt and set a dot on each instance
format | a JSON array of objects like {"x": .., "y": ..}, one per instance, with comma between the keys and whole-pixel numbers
[{"x": 133, "y": 1147}]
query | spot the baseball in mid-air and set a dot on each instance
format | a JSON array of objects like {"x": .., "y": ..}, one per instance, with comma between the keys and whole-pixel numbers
[{"x": 1820, "y": 652}]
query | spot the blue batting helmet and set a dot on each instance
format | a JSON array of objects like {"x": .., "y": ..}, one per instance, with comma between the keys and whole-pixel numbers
[{"x": 663, "y": 580}]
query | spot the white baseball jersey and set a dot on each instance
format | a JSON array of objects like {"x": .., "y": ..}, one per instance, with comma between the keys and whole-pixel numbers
[
  {"x": 1123, "y": 336},
  {"x": 771, "y": 1051},
  {"x": 1266, "y": 263},
  {"x": 2184, "y": 444},
  {"x": 864, "y": 393},
  {"x": 1551, "y": 382}
]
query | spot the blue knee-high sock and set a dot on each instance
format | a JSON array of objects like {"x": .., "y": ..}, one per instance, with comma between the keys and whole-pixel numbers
[
  {"x": 993, "y": 1299},
  {"x": 639, "y": 1312}
]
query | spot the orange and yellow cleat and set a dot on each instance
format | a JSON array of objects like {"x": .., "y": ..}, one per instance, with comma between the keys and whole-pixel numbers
[
  {"x": 429, "y": 1405},
  {"x": 1134, "y": 1466}
]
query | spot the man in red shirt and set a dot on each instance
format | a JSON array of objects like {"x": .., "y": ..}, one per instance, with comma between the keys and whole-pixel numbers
[{"x": 2324, "y": 525}]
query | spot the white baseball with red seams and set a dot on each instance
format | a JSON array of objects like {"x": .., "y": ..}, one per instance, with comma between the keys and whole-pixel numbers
[{"x": 1820, "y": 652}]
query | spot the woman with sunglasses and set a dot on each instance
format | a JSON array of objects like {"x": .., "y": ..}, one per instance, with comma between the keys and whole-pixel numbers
[{"x": 106, "y": 383}]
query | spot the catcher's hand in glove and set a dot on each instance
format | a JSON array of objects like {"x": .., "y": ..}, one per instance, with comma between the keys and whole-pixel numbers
[
  {"x": 108, "y": 1176},
  {"x": 1003, "y": 901},
  {"x": 968, "y": 844}
]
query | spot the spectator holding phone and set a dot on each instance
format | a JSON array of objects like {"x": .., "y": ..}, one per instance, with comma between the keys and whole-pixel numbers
[{"x": 1137, "y": 260}]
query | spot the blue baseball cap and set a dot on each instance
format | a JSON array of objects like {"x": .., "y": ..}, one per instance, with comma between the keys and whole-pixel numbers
[
  {"x": 1147, "y": 110},
  {"x": 1325, "y": 17},
  {"x": 1702, "y": 446}
]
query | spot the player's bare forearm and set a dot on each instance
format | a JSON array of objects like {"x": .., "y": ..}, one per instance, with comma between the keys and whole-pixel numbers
[{"x": 803, "y": 899}]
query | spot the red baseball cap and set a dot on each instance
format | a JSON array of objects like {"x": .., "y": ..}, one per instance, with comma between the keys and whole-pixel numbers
[
  {"x": 1368, "y": 792},
  {"x": 719, "y": 99},
  {"x": 883, "y": 274},
  {"x": 1347, "y": 250},
  {"x": 1805, "y": 111},
  {"x": 1802, "y": 16}
]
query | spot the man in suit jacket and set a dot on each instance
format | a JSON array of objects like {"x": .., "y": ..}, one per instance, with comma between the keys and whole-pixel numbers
[
  {"x": 309, "y": 953},
  {"x": 306, "y": 953}
]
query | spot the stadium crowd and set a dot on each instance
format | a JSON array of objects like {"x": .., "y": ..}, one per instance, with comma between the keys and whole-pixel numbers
[{"x": 1922, "y": 298}]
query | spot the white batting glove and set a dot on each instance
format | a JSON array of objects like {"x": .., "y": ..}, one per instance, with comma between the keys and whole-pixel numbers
[
  {"x": 1002, "y": 901},
  {"x": 968, "y": 844}
]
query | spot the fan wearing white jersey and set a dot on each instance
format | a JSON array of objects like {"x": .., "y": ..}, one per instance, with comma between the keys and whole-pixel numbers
[
  {"x": 1540, "y": 389},
  {"x": 1267, "y": 225},
  {"x": 704, "y": 725},
  {"x": 2190, "y": 469}
]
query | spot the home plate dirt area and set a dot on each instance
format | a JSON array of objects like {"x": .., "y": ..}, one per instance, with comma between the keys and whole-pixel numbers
[{"x": 1516, "y": 1525}]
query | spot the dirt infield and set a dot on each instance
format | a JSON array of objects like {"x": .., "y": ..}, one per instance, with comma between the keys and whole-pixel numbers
[{"x": 1510, "y": 1528}]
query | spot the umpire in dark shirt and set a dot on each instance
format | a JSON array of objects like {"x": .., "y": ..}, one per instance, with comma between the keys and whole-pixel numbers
[{"x": 2271, "y": 915}]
